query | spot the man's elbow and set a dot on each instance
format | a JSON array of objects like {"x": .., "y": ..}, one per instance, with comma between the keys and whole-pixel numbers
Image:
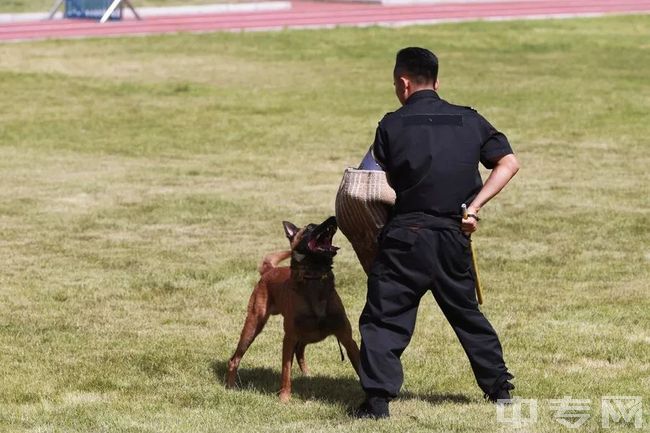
[
  {"x": 511, "y": 163},
  {"x": 515, "y": 165}
]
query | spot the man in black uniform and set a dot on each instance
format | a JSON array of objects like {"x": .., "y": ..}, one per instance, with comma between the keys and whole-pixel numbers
[{"x": 430, "y": 150}]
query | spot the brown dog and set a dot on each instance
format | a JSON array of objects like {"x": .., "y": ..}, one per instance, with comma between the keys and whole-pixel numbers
[{"x": 304, "y": 294}]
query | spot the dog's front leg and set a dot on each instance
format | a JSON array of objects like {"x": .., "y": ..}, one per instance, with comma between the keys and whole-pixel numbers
[
  {"x": 288, "y": 348},
  {"x": 300, "y": 357},
  {"x": 345, "y": 337}
]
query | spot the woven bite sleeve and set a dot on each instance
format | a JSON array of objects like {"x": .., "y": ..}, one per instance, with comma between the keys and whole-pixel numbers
[{"x": 363, "y": 202}]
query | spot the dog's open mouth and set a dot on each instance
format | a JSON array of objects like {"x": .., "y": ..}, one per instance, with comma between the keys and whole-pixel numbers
[{"x": 322, "y": 240}]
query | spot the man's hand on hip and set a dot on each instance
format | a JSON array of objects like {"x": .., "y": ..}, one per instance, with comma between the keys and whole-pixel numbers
[
  {"x": 504, "y": 169},
  {"x": 470, "y": 224}
]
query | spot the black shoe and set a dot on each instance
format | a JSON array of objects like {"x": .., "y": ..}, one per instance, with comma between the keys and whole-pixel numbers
[
  {"x": 372, "y": 408},
  {"x": 501, "y": 394}
]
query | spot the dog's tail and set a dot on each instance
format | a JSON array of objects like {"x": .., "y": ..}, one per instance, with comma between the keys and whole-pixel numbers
[{"x": 271, "y": 261}]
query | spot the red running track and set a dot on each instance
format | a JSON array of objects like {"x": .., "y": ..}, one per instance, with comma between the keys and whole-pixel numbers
[{"x": 304, "y": 14}]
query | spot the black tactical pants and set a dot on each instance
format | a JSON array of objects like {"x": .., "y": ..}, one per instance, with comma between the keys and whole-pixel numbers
[{"x": 417, "y": 253}]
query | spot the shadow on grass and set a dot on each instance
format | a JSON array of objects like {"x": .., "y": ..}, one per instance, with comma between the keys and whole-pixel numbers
[{"x": 342, "y": 390}]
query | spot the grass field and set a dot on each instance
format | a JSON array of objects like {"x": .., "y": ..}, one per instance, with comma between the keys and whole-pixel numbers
[{"x": 142, "y": 179}]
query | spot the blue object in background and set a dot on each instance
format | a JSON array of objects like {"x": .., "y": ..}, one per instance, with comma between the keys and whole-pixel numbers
[{"x": 90, "y": 9}]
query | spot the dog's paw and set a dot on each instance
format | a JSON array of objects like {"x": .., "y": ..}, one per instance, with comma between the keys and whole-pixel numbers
[
  {"x": 230, "y": 382},
  {"x": 285, "y": 396}
]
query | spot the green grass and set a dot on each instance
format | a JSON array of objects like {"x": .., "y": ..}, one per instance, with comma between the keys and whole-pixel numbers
[{"x": 142, "y": 179}]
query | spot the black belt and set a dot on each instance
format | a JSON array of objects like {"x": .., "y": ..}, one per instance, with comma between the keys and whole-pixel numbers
[{"x": 427, "y": 220}]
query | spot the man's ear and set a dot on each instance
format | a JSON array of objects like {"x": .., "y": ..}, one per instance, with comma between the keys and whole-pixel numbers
[
  {"x": 290, "y": 230},
  {"x": 402, "y": 88},
  {"x": 436, "y": 85}
]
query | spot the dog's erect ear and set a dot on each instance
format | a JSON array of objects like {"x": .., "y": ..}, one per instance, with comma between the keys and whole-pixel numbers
[{"x": 290, "y": 230}]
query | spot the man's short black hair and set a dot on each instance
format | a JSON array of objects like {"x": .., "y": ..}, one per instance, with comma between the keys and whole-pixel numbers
[{"x": 419, "y": 64}]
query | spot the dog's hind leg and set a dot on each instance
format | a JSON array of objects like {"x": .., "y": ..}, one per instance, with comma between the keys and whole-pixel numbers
[
  {"x": 258, "y": 314},
  {"x": 300, "y": 357}
]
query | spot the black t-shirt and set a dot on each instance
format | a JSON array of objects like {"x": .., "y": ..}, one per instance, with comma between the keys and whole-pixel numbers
[{"x": 430, "y": 150}]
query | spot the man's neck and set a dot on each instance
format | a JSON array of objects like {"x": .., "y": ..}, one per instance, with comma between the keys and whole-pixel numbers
[{"x": 420, "y": 89}]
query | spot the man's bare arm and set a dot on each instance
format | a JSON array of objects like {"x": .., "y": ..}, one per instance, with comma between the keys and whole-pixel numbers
[{"x": 504, "y": 169}]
